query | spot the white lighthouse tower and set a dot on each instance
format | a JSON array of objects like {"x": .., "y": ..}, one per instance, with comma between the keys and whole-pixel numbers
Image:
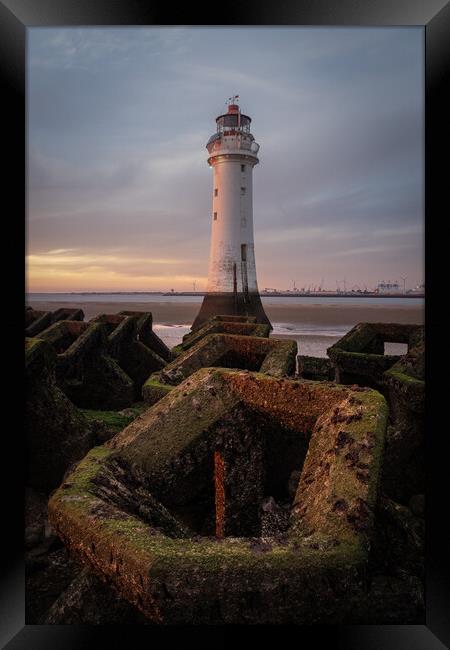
[{"x": 232, "y": 287}]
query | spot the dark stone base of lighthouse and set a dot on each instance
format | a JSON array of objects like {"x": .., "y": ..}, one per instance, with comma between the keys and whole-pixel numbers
[{"x": 231, "y": 304}]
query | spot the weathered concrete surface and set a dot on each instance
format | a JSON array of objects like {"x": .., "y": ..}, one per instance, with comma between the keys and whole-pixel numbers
[
  {"x": 46, "y": 577},
  {"x": 105, "y": 424},
  {"x": 57, "y": 433},
  {"x": 134, "y": 357},
  {"x": 272, "y": 356},
  {"x": 313, "y": 573},
  {"x": 37, "y": 321},
  {"x": 38, "y": 533},
  {"x": 89, "y": 601},
  {"x": 240, "y": 325},
  {"x": 358, "y": 357},
  {"x": 404, "y": 469},
  {"x": 85, "y": 371},
  {"x": 399, "y": 542},
  {"x": 317, "y": 368},
  {"x": 396, "y": 568},
  {"x": 390, "y": 600},
  {"x": 146, "y": 334}
]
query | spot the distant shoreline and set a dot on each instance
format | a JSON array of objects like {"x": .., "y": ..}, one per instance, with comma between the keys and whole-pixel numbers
[
  {"x": 278, "y": 294},
  {"x": 183, "y": 312}
]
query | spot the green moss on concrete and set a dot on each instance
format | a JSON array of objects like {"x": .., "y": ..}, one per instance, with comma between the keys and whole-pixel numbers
[
  {"x": 116, "y": 420},
  {"x": 153, "y": 390},
  {"x": 140, "y": 560},
  {"x": 38, "y": 355},
  {"x": 276, "y": 357},
  {"x": 177, "y": 350},
  {"x": 186, "y": 411},
  {"x": 31, "y": 343},
  {"x": 368, "y": 357},
  {"x": 280, "y": 362},
  {"x": 76, "y": 500},
  {"x": 78, "y": 482},
  {"x": 404, "y": 378},
  {"x": 340, "y": 478}
]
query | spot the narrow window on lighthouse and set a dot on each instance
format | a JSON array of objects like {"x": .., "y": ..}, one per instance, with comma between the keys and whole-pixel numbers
[
  {"x": 216, "y": 192},
  {"x": 242, "y": 191},
  {"x": 215, "y": 216},
  {"x": 242, "y": 168},
  {"x": 244, "y": 252}
]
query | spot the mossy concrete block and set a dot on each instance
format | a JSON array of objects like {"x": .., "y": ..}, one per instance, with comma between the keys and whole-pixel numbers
[
  {"x": 147, "y": 336},
  {"x": 272, "y": 356},
  {"x": 37, "y": 321},
  {"x": 85, "y": 371},
  {"x": 404, "y": 382},
  {"x": 317, "y": 368},
  {"x": 57, "y": 433},
  {"x": 105, "y": 424},
  {"x": 358, "y": 357},
  {"x": 153, "y": 390},
  {"x": 239, "y": 325},
  {"x": 133, "y": 356},
  {"x": 312, "y": 574},
  {"x": 89, "y": 601}
]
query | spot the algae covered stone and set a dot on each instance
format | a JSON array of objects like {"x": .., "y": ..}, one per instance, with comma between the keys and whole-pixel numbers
[
  {"x": 193, "y": 447},
  {"x": 57, "y": 433},
  {"x": 272, "y": 356}
]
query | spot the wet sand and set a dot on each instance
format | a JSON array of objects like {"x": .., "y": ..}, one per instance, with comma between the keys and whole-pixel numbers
[
  {"x": 183, "y": 313},
  {"x": 332, "y": 319}
]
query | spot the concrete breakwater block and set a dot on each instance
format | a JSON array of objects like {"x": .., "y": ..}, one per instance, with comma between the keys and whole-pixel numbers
[
  {"x": 169, "y": 511},
  {"x": 85, "y": 371},
  {"x": 240, "y": 325},
  {"x": 317, "y": 368},
  {"x": 145, "y": 333},
  {"x": 272, "y": 356},
  {"x": 404, "y": 468},
  {"x": 57, "y": 433},
  {"x": 124, "y": 345},
  {"x": 358, "y": 357},
  {"x": 36, "y": 321}
]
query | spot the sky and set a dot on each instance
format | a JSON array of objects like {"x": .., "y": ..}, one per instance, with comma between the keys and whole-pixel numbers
[{"x": 119, "y": 193}]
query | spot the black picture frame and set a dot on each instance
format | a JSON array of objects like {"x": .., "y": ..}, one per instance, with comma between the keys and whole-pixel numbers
[{"x": 16, "y": 16}]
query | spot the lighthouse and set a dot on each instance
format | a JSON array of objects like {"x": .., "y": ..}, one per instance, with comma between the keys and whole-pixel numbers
[{"x": 232, "y": 288}]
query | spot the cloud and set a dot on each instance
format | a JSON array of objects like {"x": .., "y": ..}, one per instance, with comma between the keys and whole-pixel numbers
[{"x": 118, "y": 120}]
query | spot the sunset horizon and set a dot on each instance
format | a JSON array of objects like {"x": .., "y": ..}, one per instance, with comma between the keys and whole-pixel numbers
[{"x": 118, "y": 184}]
